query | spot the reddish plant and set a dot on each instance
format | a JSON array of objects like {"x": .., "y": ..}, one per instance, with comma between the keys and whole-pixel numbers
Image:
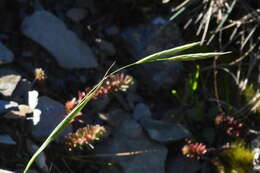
[
  {"x": 230, "y": 125},
  {"x": 194, "y": 150},
  {"x": 85, "y": 136},
  {"x": 117, "y": 82}
]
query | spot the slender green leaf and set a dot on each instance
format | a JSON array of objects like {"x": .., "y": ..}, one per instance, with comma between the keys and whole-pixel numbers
[
  {"x": 166, "y": 53},
  {"x": 192, "y": 57}
]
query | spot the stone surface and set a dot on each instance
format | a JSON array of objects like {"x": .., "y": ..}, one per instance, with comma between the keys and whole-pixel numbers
[
  {"x": 5, "y": 139},
  {"x": 6, "y": 106},
  {"x": 181, "y": 164},
  {"x": 89, "y": 4},
  {"x": 9, "y": 79},
  {"x": 138, "y": 153},
  {"x": 150, "y": 38},
  {"x": 52, "y": 114},
  {"x": 112, "y": 30},
  {"x": 141, "y": 110},
  {"x": 5, "y": 171},
  {"x": 76, "y": 14},
  {"x": 164, "y": 131},
  {"x": 6, "y": 55},
  {"x": 21, "y": 92},
  {"x": 106, "y": 47},
  {"x": 51, "y": 33}
]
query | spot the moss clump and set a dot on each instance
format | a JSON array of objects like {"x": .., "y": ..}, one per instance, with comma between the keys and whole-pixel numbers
[
  {"x": 249, "y": 94},
  {"x": 237, "y": 159}
]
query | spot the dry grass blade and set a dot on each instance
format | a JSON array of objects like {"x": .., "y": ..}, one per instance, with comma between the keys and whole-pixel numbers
[{"x": 222, "y": 21}]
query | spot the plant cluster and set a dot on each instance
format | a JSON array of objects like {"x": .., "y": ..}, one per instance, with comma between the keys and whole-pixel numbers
[
  {"x": 85, "y": 136},
  {"x": 115, "y": 83},
  {"x": 194, "y": 150},
  {"x": 230, "y": 125}
]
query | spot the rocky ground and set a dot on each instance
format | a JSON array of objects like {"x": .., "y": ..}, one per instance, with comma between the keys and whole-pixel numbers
[{"x": 75, "y": 42}]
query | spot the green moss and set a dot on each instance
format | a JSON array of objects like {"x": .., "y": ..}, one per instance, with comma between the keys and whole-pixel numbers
[
  {"x": 249, "y": 93},
  {"x": 238, "y": 159}
]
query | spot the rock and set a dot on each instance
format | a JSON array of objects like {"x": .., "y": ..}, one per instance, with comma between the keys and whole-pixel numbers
[
  {"x": 5, "y": 171},
  {"x": 138, "y": 153},
  {"x": 159, "y": 21},
  {"x": 4, "y": 37},
  {"x": 76, "y": 14},
  {"x": 181, "y": 164},
  {"x": 141, "y": 111},
  {"x": 256, "y": 160},
  {"x": 52, "y": 114},
  {"x": 109, "y": 169},
  {"x": 6, "y": 106},
  {"x": 21, "y": 92},
  {"x": 106, "y": 48},
  {"x": 150, "y": 38},
  {"x": 50, "y": 32},
  {"x": 6, "y": 55},
  {"x": 113, "y": 30},
  {"x": 100, "y": 104},
  {"x": 89, "y": 4},
  {"x": 5, "y": 139},
  {"x": 255, "y": 144},
  {"x": 8, "y": 81},
  {"x": 164, "y": 131}
]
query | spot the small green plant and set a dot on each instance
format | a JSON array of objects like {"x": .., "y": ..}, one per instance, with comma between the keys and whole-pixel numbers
[
  {"x": 160, "y": 56},
  {"x": 190, "y": 88}
]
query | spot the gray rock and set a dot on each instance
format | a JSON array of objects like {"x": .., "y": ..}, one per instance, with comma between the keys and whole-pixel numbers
[
  {"x": 6, "y": 55},
  {"x": 150, "y": 38},
  {"x": 164, "y": 131},
  {"x": 141, "y": 111},
  {"x": 181, "y": 164},
  {"x": 113, "y": 30},
  {"x": 6, "y": 106},
  {"x": 21, "y": 92},
  {"x": 89, "y": 4},
  {"x": 76, "y": 14},
  {"x": 5, "y": 171},
  {"x": 8, "y": 81},
  {"x": 5, "y": 139},
  {"x": 255, "y": 143},
  {"x": 138, "y": 153},
  {"x": 50, "y": 32},
  {"x": 106, "y": 48},
  {"x": 52, "y": 114}
]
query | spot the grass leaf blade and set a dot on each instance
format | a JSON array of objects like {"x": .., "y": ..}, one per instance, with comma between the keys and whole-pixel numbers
[
  {"x": 166, "y": 53},
  {"x": 192, "y": 57}
]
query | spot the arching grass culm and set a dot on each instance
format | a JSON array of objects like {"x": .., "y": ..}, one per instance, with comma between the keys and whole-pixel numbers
[{"x": 160, "y": 56}]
